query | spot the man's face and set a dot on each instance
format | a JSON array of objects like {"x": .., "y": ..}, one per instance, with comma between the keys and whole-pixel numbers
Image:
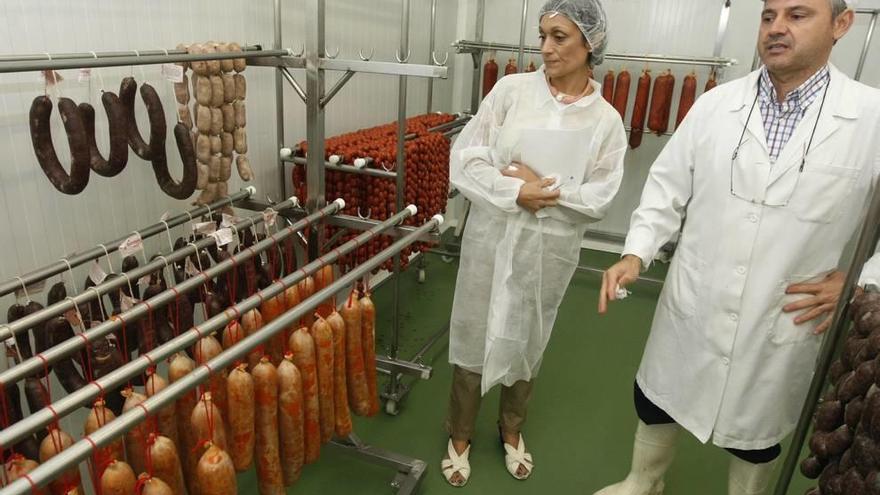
[{"x": 798, "y": 34}]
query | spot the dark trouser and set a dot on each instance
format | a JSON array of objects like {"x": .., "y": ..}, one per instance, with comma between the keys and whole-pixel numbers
[
  {"x": 650, "y": 414},
  {"x": 464, "y": 404}
]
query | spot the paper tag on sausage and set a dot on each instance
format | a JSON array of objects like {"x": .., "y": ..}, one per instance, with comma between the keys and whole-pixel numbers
[
  {"x": 172, "y": 72},
  {"x": 133, "y": 245},
  {"x": 222, "y": 237},
  {"x": 269, "y": 216},
  {"x": 229, "y": 220},
  {"x": 96, "y": 274},
  {"x": 126, "y": 303},
  {"x": 206, "y": 228},
  {"x": 190, "y": 268},
  {"x": 84, "y": 75}
]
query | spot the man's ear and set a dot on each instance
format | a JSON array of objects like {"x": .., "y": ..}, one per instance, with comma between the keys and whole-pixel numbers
[{"x": 843, "y": 23}]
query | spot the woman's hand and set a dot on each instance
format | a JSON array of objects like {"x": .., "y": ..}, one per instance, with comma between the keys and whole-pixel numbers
[
  {"x": 533, "y": 196},
  {"x": 520, "y": 171}
]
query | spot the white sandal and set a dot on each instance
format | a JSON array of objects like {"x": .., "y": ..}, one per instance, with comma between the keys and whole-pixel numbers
[
  {"x": 455, "y": 463},
  {"x": 514, "y": 457}
]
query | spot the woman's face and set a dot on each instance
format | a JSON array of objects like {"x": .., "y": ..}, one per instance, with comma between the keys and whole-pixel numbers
[{"x": 563, "y": 46}]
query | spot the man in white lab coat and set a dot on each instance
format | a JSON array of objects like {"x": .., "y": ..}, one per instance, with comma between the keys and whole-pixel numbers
[{"x": 773, "y": 172}]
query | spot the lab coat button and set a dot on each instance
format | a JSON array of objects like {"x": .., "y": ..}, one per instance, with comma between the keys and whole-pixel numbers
[
  {"x": 753, "y": 218},
  {"x": 741, "y": 270},
  {"x": 733, "y": 317},
  {"x": 726, "y": 362}
]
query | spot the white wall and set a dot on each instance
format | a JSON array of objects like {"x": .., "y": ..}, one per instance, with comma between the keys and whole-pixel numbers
[{"x": 668, "y": 27}]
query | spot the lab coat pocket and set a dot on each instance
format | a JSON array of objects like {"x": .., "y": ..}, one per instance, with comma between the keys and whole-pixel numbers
[
  {"x": 820, "y": 191},
  {"x": 781, "y": 328},
  {"x": 683, "y": 282}
]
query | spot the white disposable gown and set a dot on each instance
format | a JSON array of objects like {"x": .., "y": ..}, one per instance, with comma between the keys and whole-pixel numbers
[{"x": 515, "y": 267}]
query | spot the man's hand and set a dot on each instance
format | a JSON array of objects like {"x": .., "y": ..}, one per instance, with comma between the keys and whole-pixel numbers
[
  {"x": 533, "y": 196},
  {"x": 825, "y": 295},
  {"x": 621, "y": 274},
  {"x": 520, "y": 171}
]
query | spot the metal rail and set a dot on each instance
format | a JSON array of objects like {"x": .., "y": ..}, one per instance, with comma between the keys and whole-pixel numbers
[
  {"x": 464, "y": 46},
  {"x": 36, "y": 363},
  {"x": 76, "y": 259},
  {"x": 82, "y": 449},
  {"x": 30, "y": 63}
]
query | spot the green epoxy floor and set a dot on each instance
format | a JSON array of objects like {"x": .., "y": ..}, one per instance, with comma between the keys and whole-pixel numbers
[{"x": 581, "y": 418}]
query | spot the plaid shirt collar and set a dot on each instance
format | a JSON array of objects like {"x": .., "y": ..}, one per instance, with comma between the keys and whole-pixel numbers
[{"x": 799, "y": 99}]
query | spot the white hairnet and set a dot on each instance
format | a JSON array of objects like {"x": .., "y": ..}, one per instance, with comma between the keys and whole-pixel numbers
[{"x": 590, "y": 19}]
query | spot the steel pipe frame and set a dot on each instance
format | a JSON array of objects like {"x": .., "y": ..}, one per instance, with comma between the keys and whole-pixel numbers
[
  {"x": 120, "y": 59},
  {"x": 351, "y": 169},
  {"x": 38, "y": 362},
  {"x": 431, "y": 47},
  {"x": 868, "y": 236},
  {"x": 97, "y": 252},
  {"x": 522, "y": 37},
  {"x": 82, "y": 449},
  {"x": 75, "y": 400},
  {"x": 8, "y": 330}
]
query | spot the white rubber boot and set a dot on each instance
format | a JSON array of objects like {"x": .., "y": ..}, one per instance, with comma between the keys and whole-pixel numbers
[
  {"x": 747, "y": 478},
  {"x": 653, "y": 451}
]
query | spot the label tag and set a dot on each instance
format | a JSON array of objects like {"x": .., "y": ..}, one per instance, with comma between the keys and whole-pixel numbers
[
  {"x": 172, "y": 72},
  {"x": 126, "y": 303},
  {"x": 222, "y": 237},
  {"x": 96, "y": 274},
  {"x": 190, "y": 268},
  {"x": 133, "y": 245},
  {"x": 229, "y": 220}
]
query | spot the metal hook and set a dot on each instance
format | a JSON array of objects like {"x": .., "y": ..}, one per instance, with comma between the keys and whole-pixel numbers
[
  {"x": 168, "y": 233},
  {"x": 369, "y": 213},
  {"x": 436, "y": 62},
  {"x": 327, "y": 54},
  {"x": 302, "y": 51},
  {"x": 397, "y": 56},
  {"x": 24, "y": 288},
  {"x": 107, "y": 255},
  {"x": 388, "y": 169},
  {"x": 70, "y": 270},
  {"x": 367, "y": 57}
]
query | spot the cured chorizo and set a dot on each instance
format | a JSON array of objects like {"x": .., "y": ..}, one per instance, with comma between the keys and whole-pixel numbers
[
  {"x": 640, "y": 109},
  {"x": 153, "y": 486},
  {"x": 354, "y": 357},
  {"x": 17, "y": 467},
  {"x": 686, "y": 100},
  {"x": 41, "y": 137},
  {"x": 608, "y": 87},
  {"x": 251, "y": 322},
  {"x": 271, "y": 309},
  {"x": 166, "y": 462},
  {"x": 661, "y": 100},
  {"x": 207, "y": 348},
  {"x": 118, "y": 157},
  {"x": 490, "y": 75},
  {"x": 302, "y": 346},
  {"x": 322, "y": 335},
  {"x": 167, "y": 419},
  {"x": 368, "y": 341},
  {"x": 621, "y": 93},
  {"x": 54, "y": 443},
  {"x": 117, "y": 479},
  {"x": 340, "y": 391},
  {"x": 180, "y": 366},
  {"x": 510, "y": 68},
  {"x": 158, "y": 126},
  {"x": 216, "y": 474},
  {"x": 306, "y": 289},
  {"x": 208, "y": 424},
  {"x": 135, "y": 438},
  {"x": 266, "y": 449},
  {"x": 290, "y": 420},
  {"x": 711, "y": 83},
  {"x": 240, "y": 394},
  {"x": 99, "y": 415}
]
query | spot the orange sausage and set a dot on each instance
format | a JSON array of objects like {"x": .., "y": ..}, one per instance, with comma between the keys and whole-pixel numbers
[
  {"x": 621, "y": 93},
  {"x": 55, "y": 442},
  {"x": 181, "y": 365},
  {"x": 154, "y": 486},
  {"x": 640, "y": 109},
  {"x": 166, "y": 417},
  {"x": 711, "y": 83},
  {"x": 368, "y": 340},
  {"x": 340, "y": 391},
  {"x": 99, "y": 416},
  {"x": 136, "y": 438},
  {"x": 490, "y": 75},
  {"x": 306, "y": 289},
  {"x": 18, "y": 466},
  {"x": 322, "y": 334},
  {"x": 291, "y": 300},
  {"x": 290, "y": 420},
  {"x": 166, "y": 463},
  {"x": 232, "y": 334},
  {"x": 688, "y": 95},
  {"x": 608, "y": 87},
  {"x": 207, "y": 424},
  {"x": 323, "y": 278},
  {"x": 240, "y": 388},
  {"x": 206, "y": 349},
  {"x": 251, "y": 322},
  {"x": 216, "y": 474},
  {"x": 302, "y": 346},
  {"x": 354, "y": 358},
  {"x": 270, "y": 309},
  {"x": 266, "y": 449},
  {"x": 659, "y": 103},
  {"x": 117, "y": 479}
]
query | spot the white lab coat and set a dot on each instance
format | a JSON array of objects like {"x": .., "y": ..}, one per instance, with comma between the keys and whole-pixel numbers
[
  {"x": 515, "y": 267},
  {"x": 722, "y": 358}
]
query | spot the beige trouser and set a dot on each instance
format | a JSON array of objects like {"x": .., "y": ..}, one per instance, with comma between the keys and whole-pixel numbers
[{"x": 464, "y": 404}]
